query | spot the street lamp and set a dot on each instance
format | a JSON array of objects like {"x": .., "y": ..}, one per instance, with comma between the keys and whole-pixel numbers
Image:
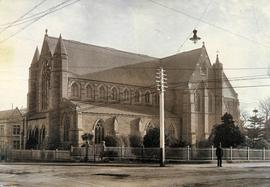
[{"x": 195, "y": 38}]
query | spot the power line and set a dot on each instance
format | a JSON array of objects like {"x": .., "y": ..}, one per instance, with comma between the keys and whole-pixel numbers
[
  {"x": 168, "y": 68},
  {"x": 209, "y": 23},
  {"x": 189, "y": 35},
  {"x": 35, "y": 20},
  {"x": 18, "y": 19},
  {"x": 30, "y": 18}
]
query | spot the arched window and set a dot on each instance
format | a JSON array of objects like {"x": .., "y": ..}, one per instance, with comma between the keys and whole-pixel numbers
[
  {"x": 137, "y": 96},
  {"x": 102, "y": 93},
  {"x": 169, "y": 131},
  {"x": 42, "y": 134},
  {"x": 156, "y": 99},
  {"x": 114, "y": 94},
  {"x": 99, "y": 132},
  {"x": 197, "y": 101},
  {"x": 126, "y": 95},
  {"x": 147, "y": 97},
  {"x": 211, "y": 102},
  {"x": 36, "y": 136},
  {"x": 66, "y": 123},
  {"x": 89, "y": 92},
  {"x": 45, "y": 84},
  {"x": 75, "y": 90}
]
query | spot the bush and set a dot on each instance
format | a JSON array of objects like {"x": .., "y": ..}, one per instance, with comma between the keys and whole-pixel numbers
[
  {"x": 177, "y": 143},
  {"x": 135, "y": 141},
  {"x": 151, "y": 139},
  {"x": 204, "y": 144},
  {"x": 111, "y": 155},
  {"x": 111, "y": 141}
]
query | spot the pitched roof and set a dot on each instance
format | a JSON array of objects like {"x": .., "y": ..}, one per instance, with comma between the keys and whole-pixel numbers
[
  {"x": 118, "y": 109},
  {"x": 85, "y": 58},
  {"x": 179, "y": 67},
  {"x": 9, "y": 114}
]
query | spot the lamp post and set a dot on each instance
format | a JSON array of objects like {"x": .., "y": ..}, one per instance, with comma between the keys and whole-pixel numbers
[{"x": 161, "y": 80}]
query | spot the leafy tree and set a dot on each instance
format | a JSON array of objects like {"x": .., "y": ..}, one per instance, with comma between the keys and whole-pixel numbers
[
  {"x": 135, "y": 141},
  {"x": 151, "y": 139},
  {"x": 226, "y": 133},
  {"x": 111, "y": 141},
  {"x": 255, "y": 129}
]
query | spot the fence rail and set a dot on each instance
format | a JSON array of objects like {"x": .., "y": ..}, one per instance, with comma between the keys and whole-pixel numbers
[{"x": 99, "y": 153}]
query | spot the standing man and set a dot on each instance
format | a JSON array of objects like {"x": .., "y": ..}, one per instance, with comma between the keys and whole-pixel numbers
[{"x": 219, "y": 154}]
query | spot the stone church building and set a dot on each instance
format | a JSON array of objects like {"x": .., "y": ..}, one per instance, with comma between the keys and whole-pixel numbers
[{"x": 77, "y": 88}]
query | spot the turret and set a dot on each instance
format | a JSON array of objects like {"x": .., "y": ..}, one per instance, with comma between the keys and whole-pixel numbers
[
  {"x": 59, "y": 74},
  {"x": 218, "y": 79},
  {"x": 32, "y": 83}
]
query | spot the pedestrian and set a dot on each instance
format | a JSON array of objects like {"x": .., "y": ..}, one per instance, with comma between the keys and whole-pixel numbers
[{"x": 219, "y": 154}]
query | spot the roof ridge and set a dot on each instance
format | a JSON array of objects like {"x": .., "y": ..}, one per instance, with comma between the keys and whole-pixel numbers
[
  {"x": 107, "y": 48},
  {"x": 184, "y": 52}
]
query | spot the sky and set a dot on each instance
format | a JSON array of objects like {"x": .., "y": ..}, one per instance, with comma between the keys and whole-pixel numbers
[{"x": 238, "y": 30}]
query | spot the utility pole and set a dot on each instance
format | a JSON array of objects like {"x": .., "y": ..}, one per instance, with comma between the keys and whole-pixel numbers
[{"x": 161, "y": 80}]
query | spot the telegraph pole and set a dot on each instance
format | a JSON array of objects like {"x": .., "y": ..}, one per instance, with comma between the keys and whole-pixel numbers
[{"x": 161, "y": 80}]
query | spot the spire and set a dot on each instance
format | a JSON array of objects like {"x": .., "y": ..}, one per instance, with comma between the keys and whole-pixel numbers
[
  {"x": 36, "y": 56},
  {"x": 217, "y": 59},
  {"x": 46, "y": 32},
  {"x": 60, "y": 48}
]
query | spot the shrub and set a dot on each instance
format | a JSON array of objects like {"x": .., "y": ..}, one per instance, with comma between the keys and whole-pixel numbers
[
  {"x": 151, "y": 139},
  {"x": 135, "y": 141},
  {"x": 110, "y": 141},
  {"x": 177, "y": 143}
]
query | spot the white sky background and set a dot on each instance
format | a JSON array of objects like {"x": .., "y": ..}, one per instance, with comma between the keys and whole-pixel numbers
[{"x": 239, "y": 30}]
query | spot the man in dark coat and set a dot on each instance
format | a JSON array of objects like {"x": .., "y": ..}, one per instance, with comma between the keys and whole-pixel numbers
[{"x": 219, "y": 154}]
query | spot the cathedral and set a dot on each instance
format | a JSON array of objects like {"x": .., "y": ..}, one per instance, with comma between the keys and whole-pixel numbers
[{"x": 76, "y": 88}]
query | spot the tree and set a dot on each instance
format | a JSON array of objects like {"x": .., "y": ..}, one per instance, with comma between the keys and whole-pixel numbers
[
  {"x": 264, "y": 106},
  {"x": 135, "y": 141},
  {"x": 151, "y": 139},
  {"x": 226, "y": 133},
  {"x": 255, "y": 129},
  {"x": 111, "y": 141}
]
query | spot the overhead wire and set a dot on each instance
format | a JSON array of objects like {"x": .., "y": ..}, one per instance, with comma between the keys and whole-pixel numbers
[
  {"x": 35, "y": 20},
  {"x": 209, "y": 23},
  {"x": 196, "y": 26},
  {"x": 21, "y": 17}
]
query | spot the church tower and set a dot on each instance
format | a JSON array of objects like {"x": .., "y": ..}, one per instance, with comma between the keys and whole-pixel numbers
[
  {"x": 59, "y": 74},
  {"x": 218, "y": 90},
  {"x": 58, "y": 86},
  {"x": 32, "y": 83}
]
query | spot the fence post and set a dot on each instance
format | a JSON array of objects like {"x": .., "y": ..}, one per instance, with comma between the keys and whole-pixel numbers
[
  {"x": 212, "y": 152},
  {"x": 142, "y": 150},
  {"x": 247, "y": 153},
  {"x": 188, "y": 153},
  {"x": 31, "y": 154},
  {"x": 231, "y": 153},
  {"x": 121, "y": 152},
  {"x": 55, "y": 155},
  {"x": 264, "y": 153}
]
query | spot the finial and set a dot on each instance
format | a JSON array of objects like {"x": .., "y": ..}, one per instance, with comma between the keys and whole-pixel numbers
[
  {"x": 217, "y": 59},
  {"x": 203, "y": 43},
  {"x": 46, "y": 32}
]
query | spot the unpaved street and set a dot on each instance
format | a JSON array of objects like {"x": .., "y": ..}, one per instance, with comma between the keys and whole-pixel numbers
[{"x": 195, "y": 175}]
